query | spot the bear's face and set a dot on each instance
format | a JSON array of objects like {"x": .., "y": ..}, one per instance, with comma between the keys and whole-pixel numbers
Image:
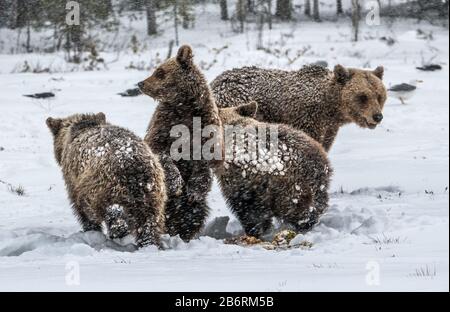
[
  {"x": 167, "y": 81},
  {"x": 232, "y": 115},
  {"x": 65, "y": 128},
  {"x": 363, "y": 95}
]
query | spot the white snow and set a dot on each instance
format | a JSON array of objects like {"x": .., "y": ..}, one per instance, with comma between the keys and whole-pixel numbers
[{"x": 389, "y": 214}]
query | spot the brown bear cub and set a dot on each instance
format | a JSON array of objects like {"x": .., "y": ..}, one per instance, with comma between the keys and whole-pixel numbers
[
  {"x": 111, "y": 176},
  {"x": 271, "y": 170},
  {"x": 183, "y": 95},
  {"x": 313, "y": 99}
]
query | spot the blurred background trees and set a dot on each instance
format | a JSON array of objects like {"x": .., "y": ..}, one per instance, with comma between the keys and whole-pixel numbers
[{"x": 28, "y": 16}]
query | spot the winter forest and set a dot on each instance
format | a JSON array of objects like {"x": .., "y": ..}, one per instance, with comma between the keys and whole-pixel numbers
[{"x": 382, "y": 171}]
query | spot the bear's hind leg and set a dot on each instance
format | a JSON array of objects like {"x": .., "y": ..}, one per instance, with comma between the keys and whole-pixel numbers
[
  {"x": 116, "y": 222},
  {"x": 87, "y": 223}
]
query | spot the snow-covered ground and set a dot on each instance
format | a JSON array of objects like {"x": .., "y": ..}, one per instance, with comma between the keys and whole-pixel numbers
[{"x": 388, "y": 225}]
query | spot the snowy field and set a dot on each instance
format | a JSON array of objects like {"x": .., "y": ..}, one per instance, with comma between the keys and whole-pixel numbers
[{"x": 387, "y": 228}]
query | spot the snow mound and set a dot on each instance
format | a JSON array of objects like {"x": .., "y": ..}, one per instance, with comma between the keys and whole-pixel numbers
[
  {"x": 338, "y": 224},
  {"x": 350, "y": 220},
  {"x": 42, "y": 243},
  {"x": 376, "y": 191},
  {"x": 37, "y": 242}
]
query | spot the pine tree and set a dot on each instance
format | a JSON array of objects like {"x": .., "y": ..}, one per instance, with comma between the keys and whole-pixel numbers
[
  {"x": 25, "y": 14},
  {"x": 307, "y": 7},
  {"x": 150, "y": 8},
  {"x": 251, "y": 6},
  {"x": 339, "y": 9},
  {"x": 316, "y": 12},
  {"x": 73, "y": 38},
  {"x": 224, "y": 10},
  {"x": 4, "y": 12},
  {"x": 284, "y": 9},
  {"x": 186, "y": 12}
]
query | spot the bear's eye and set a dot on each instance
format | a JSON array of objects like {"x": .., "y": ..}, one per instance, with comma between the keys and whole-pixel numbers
[
  {"x": 380, "y": 99},
  {"x": 363, "y": 99},
  {"x": 160, "y": 74}
]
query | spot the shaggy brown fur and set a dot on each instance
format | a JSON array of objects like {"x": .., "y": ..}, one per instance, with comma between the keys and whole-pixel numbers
[
  {"x": 313, "y": 99},
  {"x": 182, "y": 93},
  {"x": 111, "y": 175},
  {"x": 290, "y": 183}
]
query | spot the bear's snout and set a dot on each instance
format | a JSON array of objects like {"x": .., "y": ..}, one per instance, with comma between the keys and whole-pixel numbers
[
  {"x": 378, "y": 117},
  {"x": 141, "y": 85}
]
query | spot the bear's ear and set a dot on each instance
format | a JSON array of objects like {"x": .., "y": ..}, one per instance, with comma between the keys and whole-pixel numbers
[
  {"x": 54, "y": 125},
  {"x": 341, "y": 74},
  {"x": 379, "y": 72},
  {"x": 185, "y": 56},
  {"x": 101, "y": 117},
  {"x": 248, "y": 110}
]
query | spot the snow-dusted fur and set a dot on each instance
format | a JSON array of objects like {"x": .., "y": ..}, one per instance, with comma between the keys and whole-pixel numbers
[
  {"x": 183, "y": 93},
  {"x": 312, "y": 99},
  {"x": 111, "y": 176},
  {"x": 290, "y": 184}
]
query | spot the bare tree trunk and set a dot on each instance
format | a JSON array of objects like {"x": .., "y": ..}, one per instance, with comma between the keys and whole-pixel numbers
[
  {"x": 19, "y": 32},
  {"x": 55, "y": 37},
  {"x": 260, "y": 24},
  {"x": 356, "y": 17},
  {"x": 150, "y": 6},
  {"x": 269, "y": 14},
  {"x": 339, "y": 9},
  {"x": 169, "y": 52},
  {"x": 316, "y": 12},
  {"x": 175, "y": 22},
  {"x": 241, "y": 14},
  {"x": 28, "y": 45},
  {"x": 307, "y": 7},
  {"x": 224, "y": 10}
]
